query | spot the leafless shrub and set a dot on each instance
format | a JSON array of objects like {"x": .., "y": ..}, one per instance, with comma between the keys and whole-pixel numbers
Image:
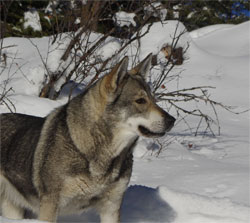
[
  {"x": 5, "y": 90},
  {"x": 180, "y": 99},
  {"x": 82, "y": 50}
]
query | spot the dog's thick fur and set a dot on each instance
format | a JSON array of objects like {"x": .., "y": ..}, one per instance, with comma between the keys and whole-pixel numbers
[{"x": 80, "y": 155}]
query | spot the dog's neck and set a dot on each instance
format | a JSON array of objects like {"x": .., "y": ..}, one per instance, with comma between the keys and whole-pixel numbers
[{"x": 122, "y": 140}]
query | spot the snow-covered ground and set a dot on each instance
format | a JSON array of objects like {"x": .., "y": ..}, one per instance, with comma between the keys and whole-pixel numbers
[{"x": 207, "y": 182}]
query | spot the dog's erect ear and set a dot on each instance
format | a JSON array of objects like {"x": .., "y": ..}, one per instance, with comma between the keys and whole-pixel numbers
[
  {"x": 142, "y": 68},
  {"x": 115, "y": 77}
]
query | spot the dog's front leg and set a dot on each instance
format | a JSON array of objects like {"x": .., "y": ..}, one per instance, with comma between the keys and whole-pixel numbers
[
  {"x": 48, "y": 208},
  {"x": 11, "y": 210},
  {"x": 110, "y": 204},
  {"x": 110, "y": 213}
]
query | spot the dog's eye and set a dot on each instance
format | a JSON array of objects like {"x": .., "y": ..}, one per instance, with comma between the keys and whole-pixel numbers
[{"x": 141, "y": 101}]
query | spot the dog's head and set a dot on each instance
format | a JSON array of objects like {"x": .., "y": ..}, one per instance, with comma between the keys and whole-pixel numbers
[{"x": 130, "y": 103}]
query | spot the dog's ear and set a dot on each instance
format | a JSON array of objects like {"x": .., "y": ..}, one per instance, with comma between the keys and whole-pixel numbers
[
  {"x": 115, "y": 77},
  {"x": 142, "y": 68}
]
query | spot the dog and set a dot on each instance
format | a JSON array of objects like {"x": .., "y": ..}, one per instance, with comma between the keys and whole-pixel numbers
[{"x": 81, "y": 154}]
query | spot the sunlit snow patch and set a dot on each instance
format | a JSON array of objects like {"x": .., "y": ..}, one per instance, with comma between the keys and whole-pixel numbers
[
  {"x": 124, "y": 19},
  {"x": 32, "y": 19},
  {"x": 193, "y": 208}
]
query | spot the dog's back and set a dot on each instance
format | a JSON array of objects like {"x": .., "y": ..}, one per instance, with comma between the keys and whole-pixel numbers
[{"x": 19, "y": 135}]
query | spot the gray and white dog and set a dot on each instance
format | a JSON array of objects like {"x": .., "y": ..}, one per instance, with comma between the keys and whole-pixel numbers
[{"x": 80, "y": 155}]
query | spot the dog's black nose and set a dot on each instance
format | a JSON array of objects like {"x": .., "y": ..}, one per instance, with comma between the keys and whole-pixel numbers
[{"x": 169, "y": 121}]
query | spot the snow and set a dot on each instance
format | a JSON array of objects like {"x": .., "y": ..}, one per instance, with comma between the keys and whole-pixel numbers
[
  {"x": 77, "y": 21},
  {"x": 48, "y": 19},
  {"x": 110, "y": 47},
  {"x": 52, "y": 5},
  {"x": 181, "y": 178},
  {"x": 161, "y": 34},
  {"x": 190, "y": 15},
  {"x": 124, "y": 19},
  {"x": 32, "y": 19},
  {"x": 193, "y": 208},
  {"x": 5, "y": 220},
  {"x": 156, "y": 9},
  {"x": 235, "y": 44},
  {"x": 176, "y": 12},
  {"x": 208, "y": 29}
]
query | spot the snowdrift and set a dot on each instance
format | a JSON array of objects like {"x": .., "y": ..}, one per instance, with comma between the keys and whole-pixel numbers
[
  {"x": 193, "y": 208},
  {"x": 144, "y": 204}
]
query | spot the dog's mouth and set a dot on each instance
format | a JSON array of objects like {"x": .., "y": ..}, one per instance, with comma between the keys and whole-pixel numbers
[{"x": 146, "y": 132}]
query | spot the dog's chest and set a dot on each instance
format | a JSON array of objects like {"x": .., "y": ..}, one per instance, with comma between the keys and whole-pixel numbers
[
  {"x": 85, "y": 189},
  {"x": 79, "y": 193},
  {"x": 82, "y": 191},
  {"x": 123, "y": 140}
]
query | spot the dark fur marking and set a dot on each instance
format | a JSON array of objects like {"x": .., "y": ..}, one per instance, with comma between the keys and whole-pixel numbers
[
  {"x": 69, "y": 148},
  {"x": 17, "y": 155},
  {"x": 128, "y": 161},
  {"x": 124, "y": 161}
]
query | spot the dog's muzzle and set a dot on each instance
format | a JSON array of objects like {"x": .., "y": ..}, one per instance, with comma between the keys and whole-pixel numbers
[
  {"x": 168, "y": 122},
  {"x": 146, "y": 132}
]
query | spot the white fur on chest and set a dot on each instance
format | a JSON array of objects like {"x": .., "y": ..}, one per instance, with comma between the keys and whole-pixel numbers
[{"x": 122, "y": 139}]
